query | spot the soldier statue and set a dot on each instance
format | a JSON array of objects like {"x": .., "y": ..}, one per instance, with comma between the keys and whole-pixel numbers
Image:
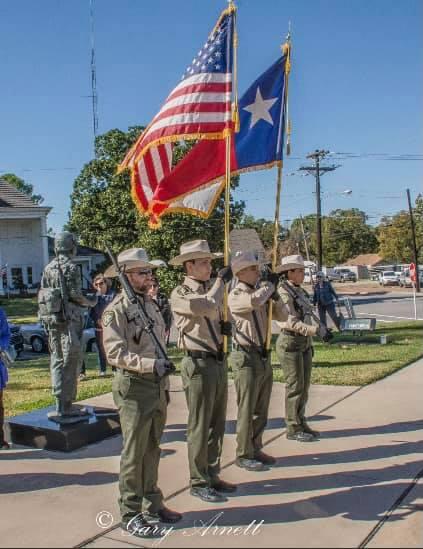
[{"x": 61, "y": 310}]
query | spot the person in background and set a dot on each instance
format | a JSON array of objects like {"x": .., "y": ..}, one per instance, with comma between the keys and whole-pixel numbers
[
  {"x": 325, "y": 297},
  {"x": 163, "y": 304},
  {"x": 4, "y": 343},
  {"x": 105, "y": 295}
]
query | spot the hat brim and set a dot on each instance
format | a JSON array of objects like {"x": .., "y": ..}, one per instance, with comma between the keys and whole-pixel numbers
[
  {"x": 111, "y": 271},
  {"x": 289, "y": 267},
  {"x": 180, "y": 259},
  {"x": 245, "y": 266}
]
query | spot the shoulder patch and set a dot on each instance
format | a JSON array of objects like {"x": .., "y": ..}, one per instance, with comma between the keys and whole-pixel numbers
[
  {"x": 236, "y": 291},
  {"x": 183, "y": 290},
  {"x": 107, "y": 318}
]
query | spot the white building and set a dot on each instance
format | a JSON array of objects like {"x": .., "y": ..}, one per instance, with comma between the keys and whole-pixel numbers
[{"x": 23, "y": 240}]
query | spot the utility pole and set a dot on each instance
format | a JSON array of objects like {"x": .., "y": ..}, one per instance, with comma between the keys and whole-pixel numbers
[
  {"x": 317, "y": 169},
  {"x": 304, "y": 238},
  {"x": 413, "y": 233}
]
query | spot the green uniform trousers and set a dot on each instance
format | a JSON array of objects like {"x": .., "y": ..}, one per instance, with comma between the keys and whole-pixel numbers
[
  {"x": 205, "y": 381},
  {"x": 141, "y": 403},
  {"x": 253, "y": 377},
  {"x": 66, "y": 356},
  {"x": 295, "y": 353}
]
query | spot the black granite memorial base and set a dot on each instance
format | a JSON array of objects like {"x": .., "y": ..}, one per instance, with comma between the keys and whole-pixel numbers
[{"x": 36, "y": 430}]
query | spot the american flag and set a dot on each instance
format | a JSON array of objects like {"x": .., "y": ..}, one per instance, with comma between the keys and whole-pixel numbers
[{"x": 199, "y": 107}]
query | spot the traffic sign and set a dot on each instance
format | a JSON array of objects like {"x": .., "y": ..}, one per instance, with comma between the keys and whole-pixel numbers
[{"x": 412, "y": 269}]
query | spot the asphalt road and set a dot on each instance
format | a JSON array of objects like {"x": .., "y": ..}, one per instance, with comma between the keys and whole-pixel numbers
[{"x": 390, "y": 307}]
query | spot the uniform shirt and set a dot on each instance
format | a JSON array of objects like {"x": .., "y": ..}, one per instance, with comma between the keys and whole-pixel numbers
[
  {"x": 243, "y": 300},
  {"x": 126, "y": 343},
  {"x": 294, "y": 322},
  {"x": 192, "y": 302}
]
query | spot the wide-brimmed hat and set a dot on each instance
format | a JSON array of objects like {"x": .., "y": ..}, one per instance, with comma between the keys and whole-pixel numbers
[
  {"x": 291, "y": 262},
  {"x": 242, "y": 260},
  {"x": 195, "y": 249},
  {"x": 134, "y": 258}
]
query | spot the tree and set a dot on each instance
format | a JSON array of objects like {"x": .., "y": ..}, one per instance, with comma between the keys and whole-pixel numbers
[
  {"x": 23, "y": 187},
  {"x": 102, "y": 210},
  {"x": 345, "y": 234},
  {"x": 264, "y": 229},
  {"x": 395, "y": 236}
]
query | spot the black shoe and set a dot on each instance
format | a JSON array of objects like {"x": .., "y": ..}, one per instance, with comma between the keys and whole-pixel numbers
[
  {"x": 250, "y": 464},
  {"x": 139, "y": 527},
  {"x": 264, "y": 458},
  {"x": 300, "y": 436},
  {"x": 223, "y": 486},
  {"x": 311, "y": 431},
  {"x": 168, "y": 516},
  {"x": 207, "y": 494}
]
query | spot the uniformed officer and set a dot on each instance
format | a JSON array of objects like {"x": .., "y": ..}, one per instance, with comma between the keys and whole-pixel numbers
[
  {"x": 294, "y": 348},
  {"x": 61, "y": 306},
  {"x": 197, "y": 307},
  {"x": 139, "y": 393},
  {"x": 249, "y": 359}
]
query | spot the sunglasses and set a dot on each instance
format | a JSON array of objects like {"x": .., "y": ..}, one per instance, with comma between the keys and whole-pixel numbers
[{"x": 147, "y": 272}]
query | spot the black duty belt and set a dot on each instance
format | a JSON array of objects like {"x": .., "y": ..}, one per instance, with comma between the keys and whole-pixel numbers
[
  {"x": 250, "y": 349},
  {"x": 206, "y": 354}
]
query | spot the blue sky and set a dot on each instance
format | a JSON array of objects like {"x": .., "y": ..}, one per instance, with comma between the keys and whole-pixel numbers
[{"x": 356, "y": 86}]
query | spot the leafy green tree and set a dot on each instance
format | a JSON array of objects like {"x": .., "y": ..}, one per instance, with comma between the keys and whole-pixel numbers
[
  {"x": 345, "y": 234},
  {"x": 395, "y": 236},
  {"x": 264, "y": 229},
  {"x": 102, "y": 210},
  {"x": 23, "y": 187}
]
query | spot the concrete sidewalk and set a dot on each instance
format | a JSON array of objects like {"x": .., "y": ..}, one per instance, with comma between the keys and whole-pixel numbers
[{"x": 359, "y": 486}]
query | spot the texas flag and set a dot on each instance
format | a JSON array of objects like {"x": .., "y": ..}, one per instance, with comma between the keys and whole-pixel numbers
[{"x": 195, "y": 184}]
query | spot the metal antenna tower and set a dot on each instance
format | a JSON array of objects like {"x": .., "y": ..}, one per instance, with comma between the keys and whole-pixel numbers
[{"x": 94, "y": 95}]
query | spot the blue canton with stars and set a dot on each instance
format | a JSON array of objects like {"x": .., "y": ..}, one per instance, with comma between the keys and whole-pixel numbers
[{"x": 216, "y": 54}]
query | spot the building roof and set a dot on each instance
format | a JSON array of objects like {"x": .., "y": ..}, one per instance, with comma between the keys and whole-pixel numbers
[
  {"x": 10, "y": 197},
  {"x": 366, "y": 259}
]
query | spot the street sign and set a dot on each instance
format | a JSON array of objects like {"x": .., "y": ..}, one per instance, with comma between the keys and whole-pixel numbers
[{"x": 412, "y": 269}]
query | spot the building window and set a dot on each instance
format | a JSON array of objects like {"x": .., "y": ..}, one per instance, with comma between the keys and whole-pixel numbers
[
  {"x": 29, "y": 275},
  {"x": 17, "y": 278}
]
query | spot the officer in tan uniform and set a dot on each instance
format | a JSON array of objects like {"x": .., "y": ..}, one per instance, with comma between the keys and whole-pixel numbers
[
  {"x": 294, "y": 348},
  {"x": 250, "y": 360},
  {"x": 139, "y": 393},
  {"x": 197, "y": 307}
]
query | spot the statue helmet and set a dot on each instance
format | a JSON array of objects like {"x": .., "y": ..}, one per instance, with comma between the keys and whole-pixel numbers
[{"x": 65, "y": 242}]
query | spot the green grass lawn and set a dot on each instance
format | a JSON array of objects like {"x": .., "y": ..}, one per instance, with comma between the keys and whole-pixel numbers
[
  {"x": 20, "y": 310},
  {"x": 348, "y": 360}
]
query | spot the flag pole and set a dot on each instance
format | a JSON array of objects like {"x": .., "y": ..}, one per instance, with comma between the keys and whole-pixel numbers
[
  {"x": 228, "y": 171},
  {"x": 286, "y": 50}
]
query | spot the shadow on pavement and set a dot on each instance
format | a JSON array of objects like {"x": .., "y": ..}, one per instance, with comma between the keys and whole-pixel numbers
[{"x": 28, "y": 482}]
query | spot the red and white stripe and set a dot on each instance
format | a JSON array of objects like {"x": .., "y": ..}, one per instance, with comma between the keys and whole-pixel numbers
[
  {"x": 200, "y": 104},
  {"x": 150, "y": 169}
]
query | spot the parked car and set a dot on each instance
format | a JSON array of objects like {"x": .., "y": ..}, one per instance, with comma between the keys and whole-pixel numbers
[
  {"x": 16, "y": 338},
  {"x": 346, "y": 275},
  {"x": 333, "y": 276},
  {"x": 388, "y": 278},
  {"x": 405, "y": 280},
  {"x": 35, "y": 336}
]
